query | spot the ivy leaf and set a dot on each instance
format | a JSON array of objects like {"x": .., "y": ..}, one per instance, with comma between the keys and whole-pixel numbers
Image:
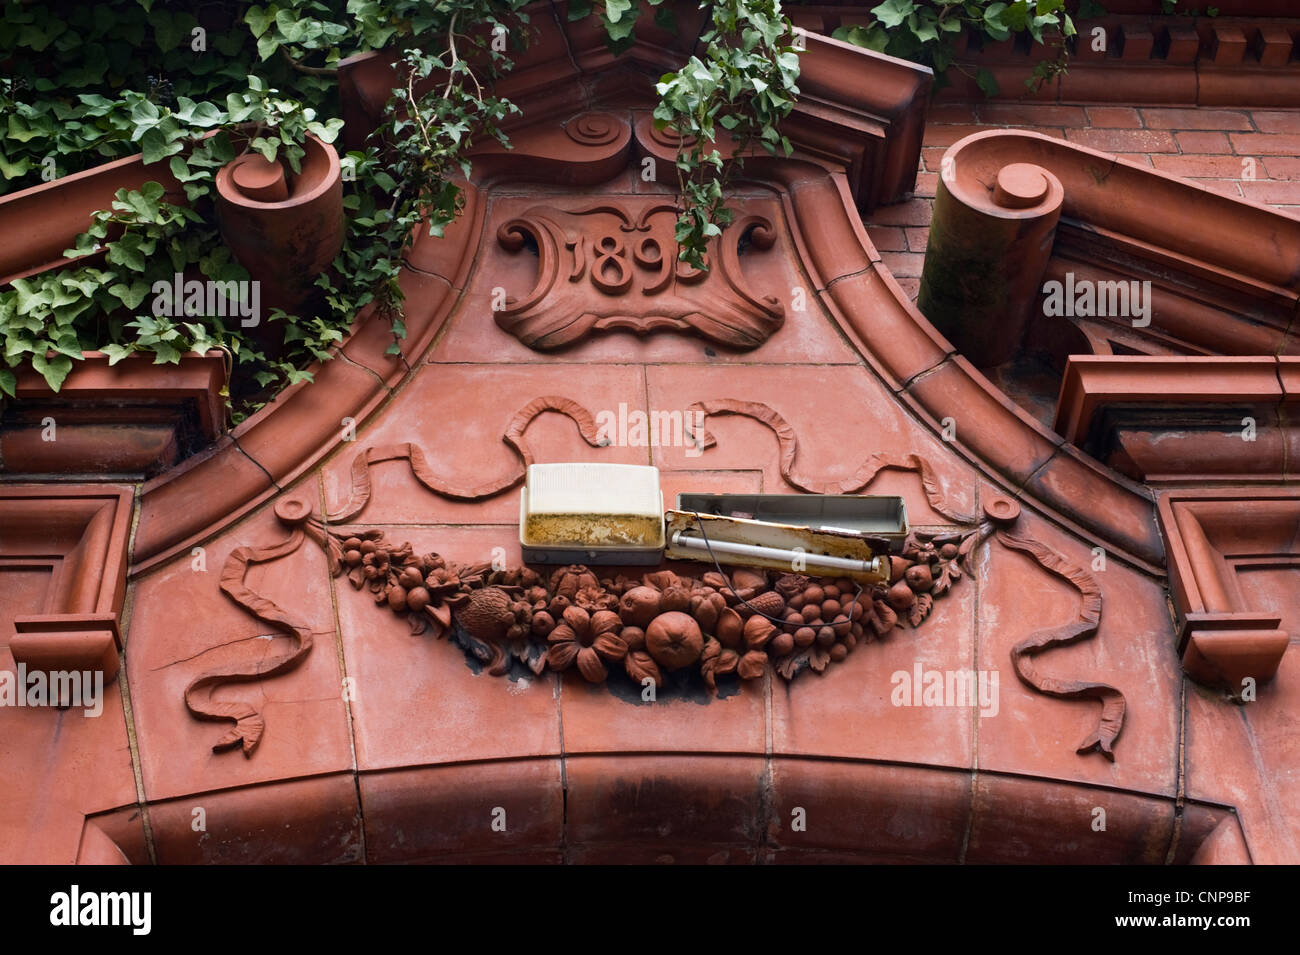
[
  {"x": 53, "y": 370},
  {"x": 893, "y": 12},
  {"x": 131, "y": 295},
  {"x": 167, "y": 30},
  {"x": 993, "y": 23},
  {"x": 116, "y": 352},
  {"x": 987, "y": 82},
  {"x": 259, "y": 20},
  {"x": 614, "y": 9},
  {"x": 165, "y": 354},
  {"x": 8, "y": 383}
]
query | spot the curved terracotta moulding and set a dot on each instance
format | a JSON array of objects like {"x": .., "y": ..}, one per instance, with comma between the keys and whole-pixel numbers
[
  {"x": 1179, "y": 218},
  {"x": 705, "y": 807},
  {"x": 946, "y": 391},
  {"x": 1240, "y": 56},
  {"x": 290, "y": 435}
]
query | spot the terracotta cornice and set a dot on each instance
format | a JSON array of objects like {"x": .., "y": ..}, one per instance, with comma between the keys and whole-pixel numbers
[
  {"x": 1153, "y": 60},
  {"x": 1092, "y": 382},
  {"x": 1248, "y": 243},
  {"x": 1184, "y": 419},
  {"x": 78, "y": 535},
  {"x": 1224, "y": 637},
  {"x": 131, "y": 418}
]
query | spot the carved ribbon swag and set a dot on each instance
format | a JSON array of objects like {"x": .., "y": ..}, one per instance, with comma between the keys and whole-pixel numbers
[{"x": 741, "y": 623}]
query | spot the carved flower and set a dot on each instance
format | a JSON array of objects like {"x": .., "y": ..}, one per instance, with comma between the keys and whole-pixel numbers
[{"x": 590, "y": 640}]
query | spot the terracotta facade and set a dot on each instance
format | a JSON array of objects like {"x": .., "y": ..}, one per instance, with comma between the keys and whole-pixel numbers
[{"x": 316, "y": 633}]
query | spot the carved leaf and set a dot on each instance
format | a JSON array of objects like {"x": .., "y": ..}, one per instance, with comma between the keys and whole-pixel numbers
[
  {"x": 790, "y": 666},
  {"x": 920, "y": 610},
  {"x": 967, "y": 543}
]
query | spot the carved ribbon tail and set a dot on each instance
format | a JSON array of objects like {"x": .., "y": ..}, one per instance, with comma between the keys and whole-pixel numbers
[
  {"x": 1102, "y": 739},
  {"x": 788, "y": 442},
  {"x": 361, "y": 489},
  {"x": 249, "y": 724}
]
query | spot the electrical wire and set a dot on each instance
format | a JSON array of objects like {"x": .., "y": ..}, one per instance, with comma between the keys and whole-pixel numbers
[{"x": 732, "y": 588}]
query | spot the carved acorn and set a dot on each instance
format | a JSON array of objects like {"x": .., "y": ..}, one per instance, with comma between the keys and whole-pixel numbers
[{"x": 674, "y": 639}]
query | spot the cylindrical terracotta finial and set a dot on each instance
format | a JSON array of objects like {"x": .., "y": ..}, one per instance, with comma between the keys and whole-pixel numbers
[
  {"x": 1020, "y": 185},
  {"x": 258, "y": 178}
]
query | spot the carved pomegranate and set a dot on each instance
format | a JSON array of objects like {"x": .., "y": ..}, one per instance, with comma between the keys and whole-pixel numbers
[{"x": 674, "y": 639}]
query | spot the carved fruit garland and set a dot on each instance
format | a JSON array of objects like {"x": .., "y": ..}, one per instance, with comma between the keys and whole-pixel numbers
[
  {"x": 739, "y": 623},
  {"x": 743, "y": 623}
]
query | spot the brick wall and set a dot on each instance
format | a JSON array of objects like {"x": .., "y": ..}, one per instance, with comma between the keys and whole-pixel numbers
[{"x": 1216, "y": 147}]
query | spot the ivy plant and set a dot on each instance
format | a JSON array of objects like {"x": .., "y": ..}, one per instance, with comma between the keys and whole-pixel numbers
[{"x": 192, "y": 84}]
